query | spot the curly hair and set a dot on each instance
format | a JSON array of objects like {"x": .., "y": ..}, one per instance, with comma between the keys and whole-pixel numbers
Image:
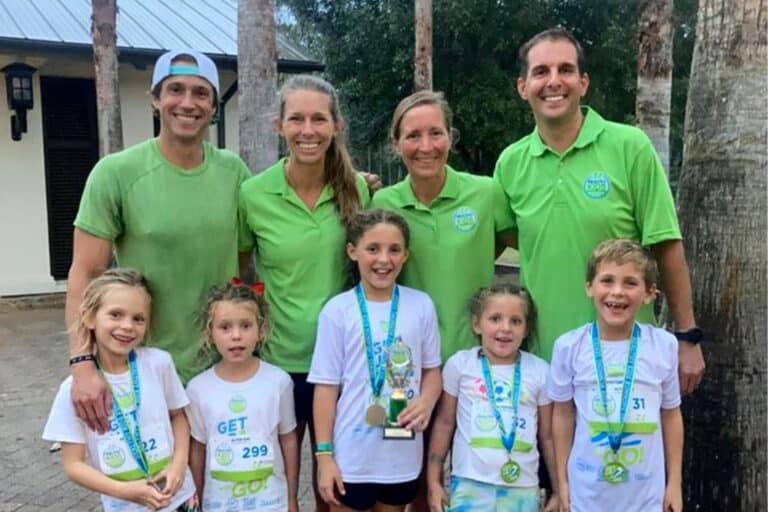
[{"x": 237, "y": 293}]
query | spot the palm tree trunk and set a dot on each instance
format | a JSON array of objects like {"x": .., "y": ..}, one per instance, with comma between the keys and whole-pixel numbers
[
  {"x": 422, "y": 60},
  {"x": 722, "y": 203},
  {"x": 257, "y": 82},
  {"x": 655, "y": 33},
  {"x": 104, "y": 32}
]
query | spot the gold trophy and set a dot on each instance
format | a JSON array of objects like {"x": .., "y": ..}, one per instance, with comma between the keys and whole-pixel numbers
[{"x": 399, "y": 367}]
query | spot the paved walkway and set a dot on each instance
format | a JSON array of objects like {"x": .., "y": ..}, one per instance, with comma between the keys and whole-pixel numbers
[{"x": 32, "y": 365}]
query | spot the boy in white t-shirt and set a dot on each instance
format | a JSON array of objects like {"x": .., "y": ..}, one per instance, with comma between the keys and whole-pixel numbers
[{"x": 617, "y": 380}]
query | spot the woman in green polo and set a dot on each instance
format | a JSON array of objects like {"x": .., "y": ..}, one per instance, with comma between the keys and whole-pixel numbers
[
  {"x": 293, "y": 214},
  {"x": 454, "y": 216}
]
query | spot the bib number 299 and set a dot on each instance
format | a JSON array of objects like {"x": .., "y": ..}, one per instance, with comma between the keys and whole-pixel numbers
[{"x": 255, "y": 451}]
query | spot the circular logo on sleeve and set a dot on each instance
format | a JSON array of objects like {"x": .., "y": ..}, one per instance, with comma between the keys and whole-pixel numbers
[
  {"x": 596, "y": 185},
  {"x": 464, "y": 219}
]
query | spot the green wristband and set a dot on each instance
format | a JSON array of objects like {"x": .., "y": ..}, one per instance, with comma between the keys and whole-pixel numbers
[{"x": 324, "y": 447}]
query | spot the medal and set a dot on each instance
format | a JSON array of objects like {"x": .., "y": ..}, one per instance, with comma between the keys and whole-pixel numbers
[
  {"x": 615, "y": 473},
  {"x": 132, "y": 438},
  {"x": 510, "y": 471},
  {"x": 375, "y": 415}
]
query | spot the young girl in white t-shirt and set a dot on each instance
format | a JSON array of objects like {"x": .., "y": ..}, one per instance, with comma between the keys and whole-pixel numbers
[
  {"x": 141, "y": 463},
  {"x": 376, "y": 374},
  {"x": 494, "y": 398},
  {"x": 616, "y": 380},
  {"x": 244, "y": 454}
]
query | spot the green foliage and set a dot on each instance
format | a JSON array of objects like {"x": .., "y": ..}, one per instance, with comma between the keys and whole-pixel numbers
[{"x": 368, "y": 48}]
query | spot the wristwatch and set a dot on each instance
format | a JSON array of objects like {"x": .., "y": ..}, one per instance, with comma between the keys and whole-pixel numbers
[{"x": 693, "y": 335}]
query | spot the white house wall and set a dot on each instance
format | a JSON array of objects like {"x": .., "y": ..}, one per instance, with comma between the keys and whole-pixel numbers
[
  {"x": 24, "y": 252},
  {"x": 24, "y": 262}
]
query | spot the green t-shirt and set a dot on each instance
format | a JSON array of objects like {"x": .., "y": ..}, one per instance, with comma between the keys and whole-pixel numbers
[
  {"x": 177, "y": 227},
  {"x": 300, "y": 258},
  {"x": 452, "y": 246},
  {"x": 608, "y": 184}
]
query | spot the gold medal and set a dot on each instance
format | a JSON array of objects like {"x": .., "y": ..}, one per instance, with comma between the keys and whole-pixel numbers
[
  {"x": 375, "y": 415},
  {"x": 615, "y": 473}
]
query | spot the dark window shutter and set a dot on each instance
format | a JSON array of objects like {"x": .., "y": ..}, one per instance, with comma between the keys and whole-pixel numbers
[{"x": 71, "y": 150}]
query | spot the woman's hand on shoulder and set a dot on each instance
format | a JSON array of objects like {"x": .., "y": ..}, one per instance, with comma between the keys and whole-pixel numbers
[{"x": 373, "y": 181}]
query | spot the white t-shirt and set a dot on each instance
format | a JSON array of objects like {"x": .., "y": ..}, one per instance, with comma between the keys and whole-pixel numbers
[
  {"x": 161, "y": 391},
  {"x": 340, "y": 358},
  {"x": 656, "y": 387},
  {"x": 239, "y": 422},
  {"x": 477, "y": 450}
]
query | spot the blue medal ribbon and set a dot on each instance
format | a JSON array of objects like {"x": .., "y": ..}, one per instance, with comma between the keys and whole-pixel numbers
[
  {"x": 615, "y": 438},
  {"x": 132, "y": 439},
  {"x": 508, "y": 440},
  {"x": 377, "y": 372}
]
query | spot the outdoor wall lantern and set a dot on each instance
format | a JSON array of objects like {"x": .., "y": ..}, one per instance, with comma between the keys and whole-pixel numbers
[{"x": 18, "y": 84}]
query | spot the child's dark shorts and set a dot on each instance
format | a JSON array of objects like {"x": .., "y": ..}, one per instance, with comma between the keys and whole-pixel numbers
[{"x": 364, "y": 496}]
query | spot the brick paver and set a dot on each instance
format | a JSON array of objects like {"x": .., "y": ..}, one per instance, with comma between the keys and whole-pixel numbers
[{"x": 32, "y": 365}]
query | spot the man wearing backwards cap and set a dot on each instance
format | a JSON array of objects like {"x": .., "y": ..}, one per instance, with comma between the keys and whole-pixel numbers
[{"x": 168, "y": 206}]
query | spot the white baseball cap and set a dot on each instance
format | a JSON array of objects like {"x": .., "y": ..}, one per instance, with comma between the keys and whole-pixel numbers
[{"x": 205, "y": 68}]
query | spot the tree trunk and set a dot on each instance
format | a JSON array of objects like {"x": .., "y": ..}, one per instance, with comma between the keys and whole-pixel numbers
[
  {"x": 103, "y": 30},
  {"x": 655, "y": 33},
  {"x": 257, "y": 82},
  {"x": 722, "y": 202},
  {"x": 422, "y": 59}
]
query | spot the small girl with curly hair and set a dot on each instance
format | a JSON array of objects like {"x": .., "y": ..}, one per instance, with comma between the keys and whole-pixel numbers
[{"x": 243, "y": 453}]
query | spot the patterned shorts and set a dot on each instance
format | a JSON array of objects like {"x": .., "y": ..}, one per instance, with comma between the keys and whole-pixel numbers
[
  {"x": 473, "y": 496},
  {"x": 191, "y": 505}
]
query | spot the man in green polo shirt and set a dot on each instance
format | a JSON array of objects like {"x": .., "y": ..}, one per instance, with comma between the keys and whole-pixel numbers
[
  {"x": 168, "y": 206},
  {"x": 577, "y": 180}
]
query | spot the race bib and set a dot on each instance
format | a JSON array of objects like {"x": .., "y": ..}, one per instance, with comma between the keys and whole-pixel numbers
[
  {"x": 486, "y": 434},
  {"x": 642, "y": 416},
  {"x": 117, "y": 462},
  {"x": 241, "y": 459}
]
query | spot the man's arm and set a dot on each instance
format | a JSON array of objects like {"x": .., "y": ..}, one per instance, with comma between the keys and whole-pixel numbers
[
  {"x": 676, "y": 285},
  {"x": 90, "y": 394},
  {"x": 246, "y": 266}
]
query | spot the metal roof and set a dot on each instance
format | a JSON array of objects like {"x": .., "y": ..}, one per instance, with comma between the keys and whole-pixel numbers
[{"x": 144, "y": 27}]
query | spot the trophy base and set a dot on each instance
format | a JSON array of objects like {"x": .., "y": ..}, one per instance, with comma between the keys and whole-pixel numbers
[{"x": 398, "y": 433}]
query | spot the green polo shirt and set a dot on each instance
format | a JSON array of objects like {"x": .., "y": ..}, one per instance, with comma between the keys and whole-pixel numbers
[
  {"x": 608, "y": 184},
  {"x": 452, "y": 246},
  {"x": 176, "y": 226},
  {"x": 300, "y": 258}
]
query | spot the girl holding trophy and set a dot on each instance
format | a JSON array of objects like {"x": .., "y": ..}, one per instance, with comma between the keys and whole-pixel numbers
[{"x": 376, "y": 370}]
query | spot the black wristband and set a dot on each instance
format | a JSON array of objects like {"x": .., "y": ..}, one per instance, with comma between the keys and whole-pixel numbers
[
  {"x": 81, "y": 359},
  {"x": 693, "y": 335}
]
